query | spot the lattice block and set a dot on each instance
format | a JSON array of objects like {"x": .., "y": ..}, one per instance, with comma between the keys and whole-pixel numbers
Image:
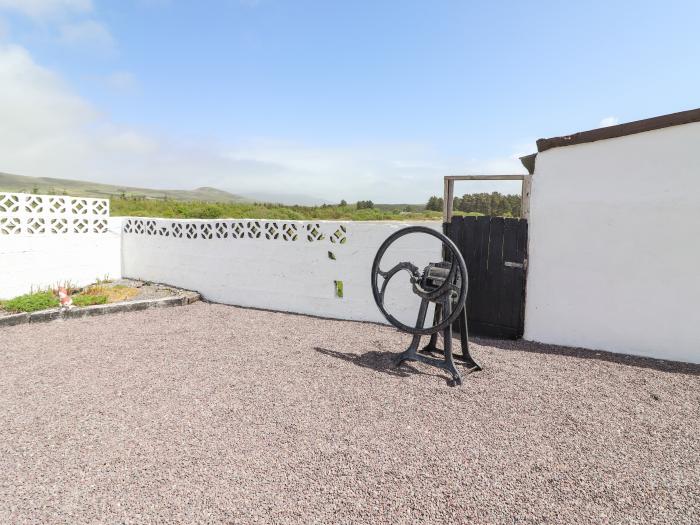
[
  {"x": 99, "y": 226},
  {"x": 221, "y": 229},
  {"x": 191, "y": 231},
  {"x": 289, "y": 232},
  {"x": 253, "y": 229},
  {"x": 206, "y": 231},
  {"x": 237, "y": 230},
  {"x": 81, "y": 226},
  {"x": 339, "y": 236},
  {"x": 9, "y": 203},
  {"x": 36, "y": 225},
  {"x": 34, "y": 204},
  {"x": 79, "y": 206},
  {"x": 100, "y": 207},
  {"x": 272, "y": 231},
  {"x": 10, "y": 226},
  {"x": 314, "y": 233},
  {"x": 58, "y": 226},
  {"x": 58, "y": 205}
]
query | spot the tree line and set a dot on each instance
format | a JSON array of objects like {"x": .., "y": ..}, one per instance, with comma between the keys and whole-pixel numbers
[
  {"x": 493, "y": 203},
  {"x": 142, "y": 207}
]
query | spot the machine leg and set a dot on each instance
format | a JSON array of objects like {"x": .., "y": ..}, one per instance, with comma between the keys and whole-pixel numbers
[
  {"x": 432, "y": 344},
  {"x": 464, "y": 339},
  {"x": 411, "y": 353},
  {"x": 449, "y": 363},
  {"x": 465, "y": 356}
]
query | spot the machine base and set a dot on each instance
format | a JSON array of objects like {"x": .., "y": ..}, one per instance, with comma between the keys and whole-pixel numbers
[{"x": 447, "y": 363}]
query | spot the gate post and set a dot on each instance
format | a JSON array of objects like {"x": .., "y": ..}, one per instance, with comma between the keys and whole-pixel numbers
[
  {"x": 448, "y": 200},
  {"x": 525, "y": 198}
]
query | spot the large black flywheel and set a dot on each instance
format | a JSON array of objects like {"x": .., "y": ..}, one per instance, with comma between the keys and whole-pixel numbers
[{"x": 444, "y": 283}]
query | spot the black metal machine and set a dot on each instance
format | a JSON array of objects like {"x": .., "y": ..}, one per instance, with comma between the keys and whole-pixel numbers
[{"x": 444, "y": 283}]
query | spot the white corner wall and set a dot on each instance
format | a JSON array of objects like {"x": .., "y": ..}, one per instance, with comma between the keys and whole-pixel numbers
[
  {"x": 614, "y": 249},
  {"x": 276, "y": 265},
  {"x": 46, "y": 240}
]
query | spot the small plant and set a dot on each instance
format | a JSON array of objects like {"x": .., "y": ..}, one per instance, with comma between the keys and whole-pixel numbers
[
  {"x": 89, "y": 300},
  {"x": 69, "y": 286},
  {"x": 114, "y": 294},
  {"x": 104, "y": 280},
  {"x": 32, "y": 302}
]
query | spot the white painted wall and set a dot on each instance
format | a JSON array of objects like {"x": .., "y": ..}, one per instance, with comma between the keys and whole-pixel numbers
[
  {"x": 614, "y": 250},
  {"x": 45, "y": 240},
  {"x": 273, "y": 273}
]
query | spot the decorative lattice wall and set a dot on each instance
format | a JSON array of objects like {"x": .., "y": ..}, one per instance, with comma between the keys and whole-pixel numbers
[
  {"x": 287, "y": 231},
  {"x": 311, "y": 267},
  {"x": 26, "y": 214}
]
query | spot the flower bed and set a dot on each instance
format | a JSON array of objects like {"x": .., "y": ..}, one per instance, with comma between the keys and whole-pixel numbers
[{"x": 101, "y": 292}]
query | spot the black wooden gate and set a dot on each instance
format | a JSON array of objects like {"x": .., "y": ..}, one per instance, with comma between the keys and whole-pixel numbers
[{"x": 495, "y": 250}]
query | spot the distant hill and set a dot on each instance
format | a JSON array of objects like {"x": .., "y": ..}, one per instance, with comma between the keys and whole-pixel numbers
[{"x": 79, "y": 188}]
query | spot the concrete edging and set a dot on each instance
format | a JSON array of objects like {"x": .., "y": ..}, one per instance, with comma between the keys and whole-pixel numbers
[{"x": 99, "y": 309}]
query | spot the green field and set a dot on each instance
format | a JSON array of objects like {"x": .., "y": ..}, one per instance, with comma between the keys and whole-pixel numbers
[{"x": 209, "y": 210}]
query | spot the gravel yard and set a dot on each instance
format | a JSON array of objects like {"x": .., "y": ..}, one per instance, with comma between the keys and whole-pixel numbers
[{"x": 210, "y": 413}]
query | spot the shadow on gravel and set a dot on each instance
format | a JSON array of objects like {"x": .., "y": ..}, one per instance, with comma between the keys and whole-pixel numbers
[
  {"x": 673, "y": 367},
  {"x": 384, "y": 362}
]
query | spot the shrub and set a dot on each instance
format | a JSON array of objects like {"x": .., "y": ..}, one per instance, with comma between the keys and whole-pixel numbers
[
  {"x": 88, "y": 300},
  {"x": 202, "y": 210},
  {"x": 32, "y": 302}
]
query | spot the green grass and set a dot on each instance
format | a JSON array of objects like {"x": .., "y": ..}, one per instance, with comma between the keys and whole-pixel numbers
[
  {"x": 34, "y": 302},
  {"x": 88, "y": 300},
  {"x": 31, "y": 302},
  {"x": 209, "y": 210}
]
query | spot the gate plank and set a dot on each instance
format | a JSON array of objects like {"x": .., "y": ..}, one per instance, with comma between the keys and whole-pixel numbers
[
  {"x": 510, "y": 294},
  {"x": 521, "y": 285},
  {"x": 494, "y": 281},
  {"x": 481, "y": 235}
]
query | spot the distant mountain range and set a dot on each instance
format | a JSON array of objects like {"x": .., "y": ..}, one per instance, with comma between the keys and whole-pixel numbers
[{"x": 79, "y": 188}]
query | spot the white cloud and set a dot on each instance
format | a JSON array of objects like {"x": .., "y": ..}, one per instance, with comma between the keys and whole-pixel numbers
[
  {"x": 4, "y": 29},
  {"x": 121, "y": 81},
  {"x": 58, "y": 19},
  {"x": 384, "y": 172},
  {"x": 127, "y": 141},
  {"x": 47, "y": 130},
  {"x": 87, "y": 34},
  {"x": 33, "y": 100},
  {"x": 609, "y": 121},
  {"x": 39, "y": 8}
]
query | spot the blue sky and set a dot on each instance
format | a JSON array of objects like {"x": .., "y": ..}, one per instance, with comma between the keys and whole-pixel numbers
[{"x": 333, "y": 99}]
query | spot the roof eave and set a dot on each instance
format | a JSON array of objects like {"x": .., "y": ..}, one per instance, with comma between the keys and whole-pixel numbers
[{"x": 621, "y": 130}]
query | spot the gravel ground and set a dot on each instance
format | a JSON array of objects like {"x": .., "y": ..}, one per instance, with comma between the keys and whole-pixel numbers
[{"x": 209, "y": 413}]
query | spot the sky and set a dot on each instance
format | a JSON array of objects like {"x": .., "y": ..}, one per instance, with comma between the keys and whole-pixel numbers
[{"x": 333, "y": 99}]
